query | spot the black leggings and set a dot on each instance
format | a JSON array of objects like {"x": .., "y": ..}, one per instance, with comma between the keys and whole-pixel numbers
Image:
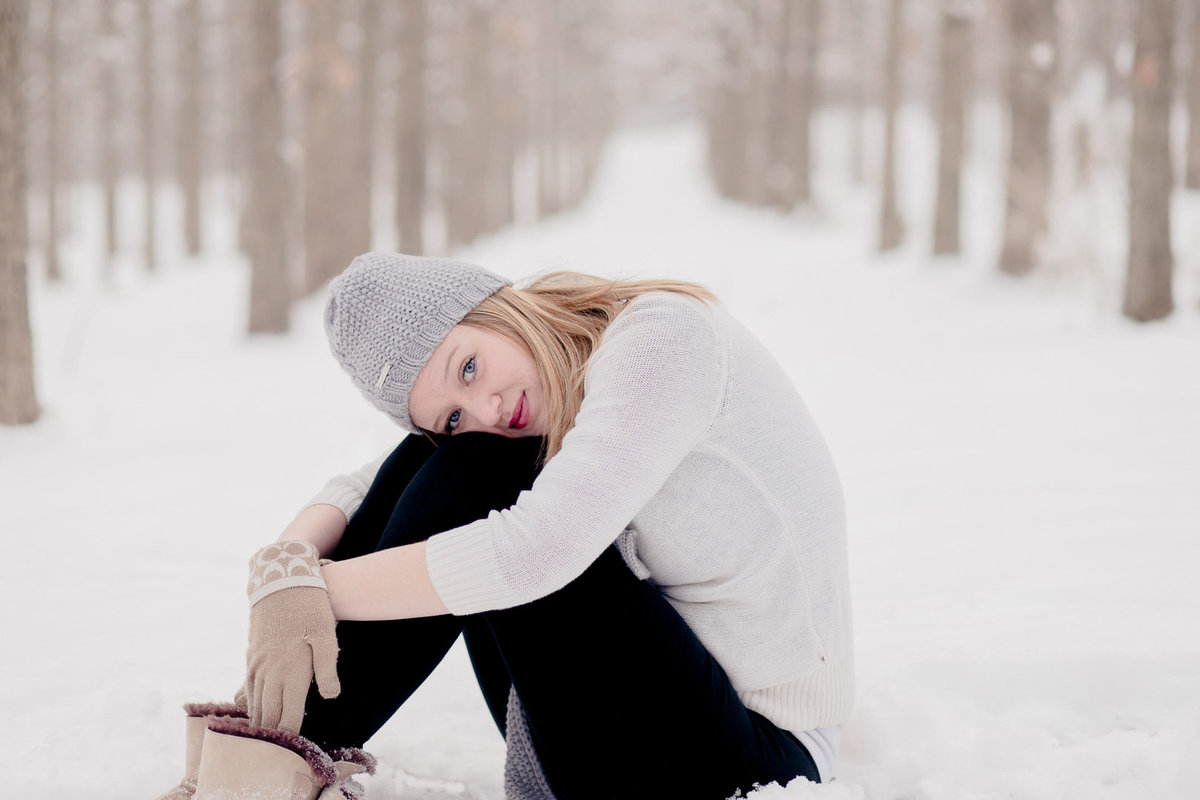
[{"x": 621, "y": 698}]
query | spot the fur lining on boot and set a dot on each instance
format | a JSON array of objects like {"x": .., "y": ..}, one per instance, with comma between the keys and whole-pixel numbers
[
  {"x": 355, "y": 756},
  {"x": 214, "y": 710},
  {"x": 320, "y": 763}
]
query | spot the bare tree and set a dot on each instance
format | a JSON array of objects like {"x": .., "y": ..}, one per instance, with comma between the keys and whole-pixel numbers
[
  {"x": 1032, "y": 57},
  {"x": 362, "y": 148},
  {"x": 410, "y": 128},
  {"x": 1148, "y": 284},
  {"x": 18, "y": 401},
  {"x": 267, "y": 202},
  {"x": 549, "y": 108},
  {"x": 955, "y": 66},
  {"x": 53, "y": 138},
  {"x": 191, "y": 120},
  {"x": 147, "y": 70},
  {"x": 1192, "y": 179},
  {"x": 891, "y": 226},
  {"x": 107, "y": 135},
  {"x": 801, "y": 64}
]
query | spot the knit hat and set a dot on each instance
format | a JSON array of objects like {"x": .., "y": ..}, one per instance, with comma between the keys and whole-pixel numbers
[{"x": 388, "y": 312}]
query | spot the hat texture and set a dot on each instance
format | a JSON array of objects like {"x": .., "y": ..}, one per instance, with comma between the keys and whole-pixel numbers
[{"x": 388, "y": 312}]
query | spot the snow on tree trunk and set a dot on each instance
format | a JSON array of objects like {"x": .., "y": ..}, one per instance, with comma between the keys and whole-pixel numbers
[
  {"x": 191, "y": 121},
  {"x": 1192, "y": 179},
  {"x": 955, "y": 69},
  {"x": 1032, "y": 58},
  {"x": 1148, "y": 283},
  {"x": 267, "y": 201},
  {"x": 891, "y": 226},
  {"x": 18, "y": 401},
  {"x": 410, "y": 128}
]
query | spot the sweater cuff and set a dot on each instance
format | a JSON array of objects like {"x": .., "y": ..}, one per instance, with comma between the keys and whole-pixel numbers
[{"x": 464, "y": 570}]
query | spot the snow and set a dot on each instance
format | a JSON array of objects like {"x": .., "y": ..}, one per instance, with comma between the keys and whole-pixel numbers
[{"x": 1021, "y": 468}]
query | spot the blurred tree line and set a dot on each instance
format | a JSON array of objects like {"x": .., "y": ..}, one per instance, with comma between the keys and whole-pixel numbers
[
  {"x": 317, "y": 119},
  {"x": 780, "y": 61},
  {"x": 330, "y": 125}
]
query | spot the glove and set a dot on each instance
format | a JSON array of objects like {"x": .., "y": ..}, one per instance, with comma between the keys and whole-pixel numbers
[{"x": 292, "y": 635}]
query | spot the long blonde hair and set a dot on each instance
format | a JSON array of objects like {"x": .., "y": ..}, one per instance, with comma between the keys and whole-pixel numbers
[{"x": 559, "y": 319}]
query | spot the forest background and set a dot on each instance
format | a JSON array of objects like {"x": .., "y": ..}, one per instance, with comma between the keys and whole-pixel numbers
[{"x": 998, "y": 202}]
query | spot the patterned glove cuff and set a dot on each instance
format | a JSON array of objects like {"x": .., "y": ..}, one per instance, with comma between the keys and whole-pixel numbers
[{"x": 283, "y": 565}]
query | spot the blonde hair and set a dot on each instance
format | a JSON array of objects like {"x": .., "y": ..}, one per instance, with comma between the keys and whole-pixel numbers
[{"x": 559, "y": 319}]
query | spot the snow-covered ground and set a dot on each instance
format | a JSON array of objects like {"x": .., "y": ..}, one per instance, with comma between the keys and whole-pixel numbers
[{"x": 1022, "y": 470}]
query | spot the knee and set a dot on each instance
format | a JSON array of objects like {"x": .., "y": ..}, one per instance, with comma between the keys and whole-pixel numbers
[{"x": 467, "y": 477}]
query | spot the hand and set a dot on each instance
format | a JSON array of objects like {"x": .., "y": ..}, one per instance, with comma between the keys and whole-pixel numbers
[{"x": 292, "y": 635}]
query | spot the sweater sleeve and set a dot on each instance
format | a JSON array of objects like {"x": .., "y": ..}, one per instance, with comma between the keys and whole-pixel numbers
[
  {"x": 347, "y": 491},
  {"x": 653, "y": 388}
]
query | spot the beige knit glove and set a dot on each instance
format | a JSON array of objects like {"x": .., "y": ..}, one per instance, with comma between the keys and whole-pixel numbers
[{"x": 292, "y": 637}]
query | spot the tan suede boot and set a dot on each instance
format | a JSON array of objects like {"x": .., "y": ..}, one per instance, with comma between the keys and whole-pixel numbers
[
  {"x": 240, "y": 762},
  {"x": 196, "y": 724}
]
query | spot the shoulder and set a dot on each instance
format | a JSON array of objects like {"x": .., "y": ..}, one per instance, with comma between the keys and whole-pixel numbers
[
  {"x": 676, "y": 317},
  {"x": 662, "y": 338}
]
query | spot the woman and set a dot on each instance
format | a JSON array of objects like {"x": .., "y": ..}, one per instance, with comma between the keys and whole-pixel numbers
[{"x": 613, "y": 492}]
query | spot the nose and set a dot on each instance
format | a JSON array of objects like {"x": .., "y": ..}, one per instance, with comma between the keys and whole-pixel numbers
[{"x": 486, "y": 409}]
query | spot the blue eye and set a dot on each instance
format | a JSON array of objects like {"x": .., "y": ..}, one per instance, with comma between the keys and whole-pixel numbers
[
  {"x": 452, "y": 421},
  {"x": 469, "y": 367}
]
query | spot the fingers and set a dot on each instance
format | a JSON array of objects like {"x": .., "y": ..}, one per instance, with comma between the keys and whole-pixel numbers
[
  {"x": 272, "y": 705},
  {"x": 324, "y": 654},
  {"x": 292, "y": 698},
  {"x": 242, "y": 699}
]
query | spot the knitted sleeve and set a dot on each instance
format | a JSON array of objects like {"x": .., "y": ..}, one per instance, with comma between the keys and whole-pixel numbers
[
  {"x": 653, "y": 388},
  {"x": 347, "y": 491}
]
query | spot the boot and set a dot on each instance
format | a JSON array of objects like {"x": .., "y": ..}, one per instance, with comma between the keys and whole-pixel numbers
[
  {"x": 197, "y": 715},
  {"x": 241, "y": 761}
]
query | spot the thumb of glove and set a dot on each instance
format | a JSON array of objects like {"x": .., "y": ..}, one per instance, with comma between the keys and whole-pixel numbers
[{"x": 325, "y": 650}]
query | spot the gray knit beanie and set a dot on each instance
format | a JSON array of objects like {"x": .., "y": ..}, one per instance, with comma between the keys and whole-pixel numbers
[{"x": 388, "y": 312}]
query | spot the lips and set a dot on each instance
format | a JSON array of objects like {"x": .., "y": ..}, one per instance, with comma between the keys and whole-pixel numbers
[{"x": 520, "y": 415}]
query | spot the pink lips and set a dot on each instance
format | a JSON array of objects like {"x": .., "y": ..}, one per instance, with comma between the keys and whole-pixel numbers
[{"x": 519, "y": 417}]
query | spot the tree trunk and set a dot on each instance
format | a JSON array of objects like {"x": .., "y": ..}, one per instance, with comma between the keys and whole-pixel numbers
[
  {"x": 891, "y": 226},
  {"x": 804, "y": 54},
  {"x": 549, "y": 107},
  {"x": 955, "y": 66},
  {"x": 1192, "y": 179},
  {"x": 108, "y": 130},
  {"x": 18, "y": 401},
  {"x": 53, "y": 138},
  {"x": 858, "y": 93},
  {"x": 149, "y": 128},
  {"x": 267, "y": 201},
  {"x": 1148, "y": 284},
  {"x": 410, "y": 128},
  {"x": 1032, "y": 58},
  {"x": 191, "y": 122},
  {"x": 328, "y": 161},
  {"x": 147, "y": 69},
  {"x": 358, "y": 210}
]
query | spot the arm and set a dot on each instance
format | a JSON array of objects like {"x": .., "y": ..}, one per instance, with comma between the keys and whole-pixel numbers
[
  {"x": 390, "y": 584},
  {"x": 321, "y": 525},
  {"x": 323, "y": 521}
]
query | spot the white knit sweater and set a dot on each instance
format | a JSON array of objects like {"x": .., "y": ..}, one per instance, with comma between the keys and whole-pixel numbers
[{"x": 693, "y": 449}]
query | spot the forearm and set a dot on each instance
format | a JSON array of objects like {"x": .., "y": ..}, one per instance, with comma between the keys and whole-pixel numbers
[
  {"x": 321, "y": 525},
  {"x": 389, "y": 584}
]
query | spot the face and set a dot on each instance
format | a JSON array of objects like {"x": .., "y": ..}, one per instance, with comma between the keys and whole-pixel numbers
[{"x": 477, "y": 380}]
